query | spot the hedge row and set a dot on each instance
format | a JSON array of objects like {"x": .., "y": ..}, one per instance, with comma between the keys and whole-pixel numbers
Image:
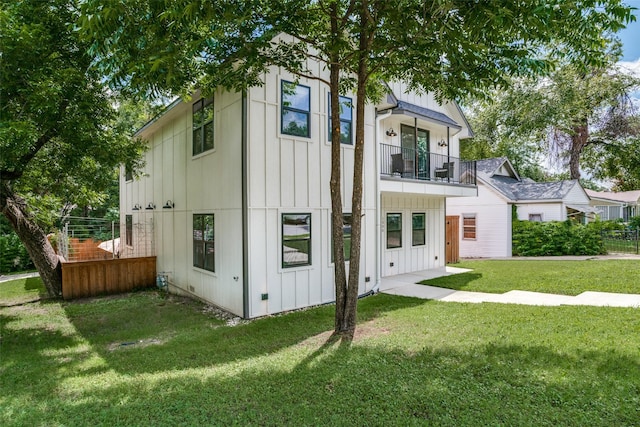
[
  {"x": 557, "y": 238},
  {"x": 13, "y": 254}
]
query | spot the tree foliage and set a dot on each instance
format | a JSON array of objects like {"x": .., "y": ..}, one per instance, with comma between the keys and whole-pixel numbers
[
  {"x": 59, "y": 137},
  {"x": 573, "y": 116},
  {"x": 449, "y": 47}
]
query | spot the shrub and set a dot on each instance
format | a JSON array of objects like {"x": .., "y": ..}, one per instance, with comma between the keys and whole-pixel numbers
[
  {"x": 13, "y": 254},
  {"x": 556, "y": 238}
]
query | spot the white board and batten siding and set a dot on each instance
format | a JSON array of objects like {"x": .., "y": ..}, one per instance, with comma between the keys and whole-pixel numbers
[
  {"x": 288, "y": 174},
  {"x": 493, "y": 223},
  {"x": 409, "y": 258},
  {"x": 207, "y": 183}
]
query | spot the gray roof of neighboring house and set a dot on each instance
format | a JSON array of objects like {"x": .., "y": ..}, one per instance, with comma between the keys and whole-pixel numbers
[
  {"x": 515, "y": 188},
  {"x": 632, "y": 197}
]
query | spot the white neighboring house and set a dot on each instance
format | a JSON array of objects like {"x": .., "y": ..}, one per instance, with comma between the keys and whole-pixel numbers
[
  {"x": 486, "y": 220},
  {"x": 622, "y": 205},
  {"x": 237, "y": 186}
]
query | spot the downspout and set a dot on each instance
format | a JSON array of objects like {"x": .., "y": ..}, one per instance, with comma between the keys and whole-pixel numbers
[
  {"x": 449, "y": 154},
  {"x": 245, "y": 211},
  {"x": 376, "y": 137}
]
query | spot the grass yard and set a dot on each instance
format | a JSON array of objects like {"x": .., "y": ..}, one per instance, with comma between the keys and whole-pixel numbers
[
  {"x": 558, "y": 277},
  {"x": 142, "y": 360}
]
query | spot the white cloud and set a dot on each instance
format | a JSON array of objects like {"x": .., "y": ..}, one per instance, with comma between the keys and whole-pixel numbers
[{"x": 631, "y": 67}]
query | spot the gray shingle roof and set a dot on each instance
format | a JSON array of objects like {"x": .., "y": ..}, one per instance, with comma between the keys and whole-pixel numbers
[
  {"x": 515, "y": 188},
  {"x": 425, "y": 113}
]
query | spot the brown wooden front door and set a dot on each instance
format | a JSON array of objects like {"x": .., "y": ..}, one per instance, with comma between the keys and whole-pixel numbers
[{"x": 452, "y": 237}]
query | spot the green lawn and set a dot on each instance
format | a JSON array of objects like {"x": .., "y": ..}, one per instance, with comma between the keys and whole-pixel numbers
[
  {"x": 142, "y": 360},
  {"x": 558, "y": 277}
]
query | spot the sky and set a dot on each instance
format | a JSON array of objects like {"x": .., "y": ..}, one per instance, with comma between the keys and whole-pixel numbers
[{"x": 630, "y": 37}]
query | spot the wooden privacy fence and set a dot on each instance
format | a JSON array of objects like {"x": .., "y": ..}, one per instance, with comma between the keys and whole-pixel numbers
[{"x": 90, "y": 278}]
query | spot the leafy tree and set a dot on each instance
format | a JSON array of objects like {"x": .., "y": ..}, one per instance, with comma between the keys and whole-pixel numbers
[
  {"x": 573, "y": 115},
  {"x": 57, "y": 138},
  {"x": 449, "y": 47}
]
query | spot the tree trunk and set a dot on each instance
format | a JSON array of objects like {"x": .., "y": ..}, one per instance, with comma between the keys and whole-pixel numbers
[
  {"x": 33, "y": 238},
  {"x": 337, "y": 230},
  {"x": 579, "y": 140},
  {"x": 348, "y": 325}
]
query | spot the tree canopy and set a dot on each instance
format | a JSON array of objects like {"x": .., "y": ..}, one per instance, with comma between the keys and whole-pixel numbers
[{"x": 59, "y": 134}]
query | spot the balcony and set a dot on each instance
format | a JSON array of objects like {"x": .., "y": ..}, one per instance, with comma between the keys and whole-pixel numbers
[{"x": 416, "y": 165}]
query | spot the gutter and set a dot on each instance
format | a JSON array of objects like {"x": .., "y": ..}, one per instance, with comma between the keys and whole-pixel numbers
[
  {"x": 376, "y": 129},
  {"x": 245, "y": 211}
]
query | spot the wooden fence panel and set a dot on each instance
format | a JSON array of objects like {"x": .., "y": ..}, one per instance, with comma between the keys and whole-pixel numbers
[{"x": 90, "y": 278}]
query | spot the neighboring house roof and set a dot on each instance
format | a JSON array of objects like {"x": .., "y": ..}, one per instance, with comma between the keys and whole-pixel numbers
[
  {"x": 631, "y": 197},
  {"x": 500, "y": 174}
]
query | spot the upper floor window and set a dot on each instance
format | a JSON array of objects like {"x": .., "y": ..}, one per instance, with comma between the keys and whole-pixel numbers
[
  {"x": 346, "y": 120},
  {"x": 128, "y": 174},
  {"x": 202, "y": 125},
  {"x": 468, "y": 226},
  {"x": 203, "y": 242},
  {"x": 296, "y": 240},
  {"x": 296, "y": 110}
]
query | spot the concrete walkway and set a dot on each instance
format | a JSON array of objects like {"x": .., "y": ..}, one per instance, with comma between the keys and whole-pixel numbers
[
  {"x": 405, "y": 285},
  {"x": 8, "y": 277}
]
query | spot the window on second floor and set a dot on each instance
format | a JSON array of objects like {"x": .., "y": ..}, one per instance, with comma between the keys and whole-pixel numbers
[
  {"x": 296, "y": 110},
  {"x": 346, "y": 119},
  {"x": 202, "y": 125}
]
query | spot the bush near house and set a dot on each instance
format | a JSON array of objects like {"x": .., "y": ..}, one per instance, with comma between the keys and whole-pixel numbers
[
  {"x": 13, "y": 254},
  {"x": 557, "y": 238}
]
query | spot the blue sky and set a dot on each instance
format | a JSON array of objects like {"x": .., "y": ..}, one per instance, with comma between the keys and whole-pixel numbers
[{"x": 630, "y": 36}]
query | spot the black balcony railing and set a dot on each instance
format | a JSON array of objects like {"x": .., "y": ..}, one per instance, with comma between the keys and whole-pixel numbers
[{"x": 418, "y": 165}]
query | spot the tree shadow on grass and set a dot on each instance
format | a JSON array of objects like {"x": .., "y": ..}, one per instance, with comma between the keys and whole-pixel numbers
[
  {"x": 458, "y": 282},
  {"x": 367, "y": 384}
]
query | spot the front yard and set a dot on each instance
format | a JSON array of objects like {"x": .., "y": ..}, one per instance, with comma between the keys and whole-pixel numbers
[
  {"x": 556, "y": 277},
  {"x": 140, "y": 359}
]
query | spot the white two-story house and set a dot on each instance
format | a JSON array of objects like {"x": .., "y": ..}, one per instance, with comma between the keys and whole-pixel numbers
[{"x": 237, "y": 187}]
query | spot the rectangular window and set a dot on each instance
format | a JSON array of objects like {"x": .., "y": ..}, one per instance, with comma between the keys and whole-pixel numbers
[
  {"x": 394, "y": 230},
  {"x": 346, "y": 230},
  {"x": 346, "y": 120},
  {"x": 296, "y": 110},
  {"x": 468, "y": 226},
  {"x": 535, "y": 217},
  {"x": 418, "y": 229},
  {"x": 296, "y": 240},
  {"x": 128, "y": 230},
  {"x": 203, "y": 242},
  {"x": 128, "y": 174},
  {"x": 202, "y": 125}
]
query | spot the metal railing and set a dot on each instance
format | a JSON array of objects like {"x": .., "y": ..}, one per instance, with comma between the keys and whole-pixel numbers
[
  {"x": 85, "y": 239},
  {"x": 418, "y": 165},
  {"x": 622, "y": 241}
]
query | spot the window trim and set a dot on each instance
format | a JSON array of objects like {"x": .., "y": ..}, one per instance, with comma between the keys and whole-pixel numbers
[
  {"x": 423, "y": 229},
  {"x": 350, "y": 121},
  {"x": 475, "y": 225},
  {"x": 309, "y": 239},
  {"x": 204, "y": 243},
  {"x": 284, "y": 108},
  {"x": 203, "y": 103},
  {"x": 398, "y": 231}
]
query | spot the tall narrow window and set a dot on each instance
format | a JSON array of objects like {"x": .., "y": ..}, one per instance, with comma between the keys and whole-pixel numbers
[
  {"x": 346, "y": 230},
  {"x": 418, "y": 229},
  {"x": 346, "y": 120},
  {"x": 202, "y": 125},
  {"x": 203, "y": 242},
  {"x": 394, "y": 230},
  {"x": 296, "y": 240},
  {"x": 128, "y": 174},
  {"x": 128, "y": 230},
  {"x": 469, "y": 226},
  {"x": 296, "y": 110}
]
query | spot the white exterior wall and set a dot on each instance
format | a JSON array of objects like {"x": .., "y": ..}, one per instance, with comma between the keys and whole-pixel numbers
[
  {"x": 207, "y": 183},
  {"x": 410, "y": 258},
  {"x": 553, "y": 211},
  {"x": 290, "y": 174},
  {"x": 493, "y": 224}
]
